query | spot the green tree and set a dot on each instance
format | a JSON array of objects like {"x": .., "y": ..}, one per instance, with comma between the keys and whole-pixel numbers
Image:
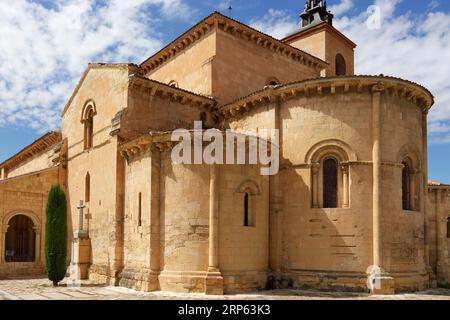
[{"x": 56, "y": 235}]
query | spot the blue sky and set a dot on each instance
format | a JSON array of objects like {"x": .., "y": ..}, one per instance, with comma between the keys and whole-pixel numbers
[{"x": 46, "y": 46}]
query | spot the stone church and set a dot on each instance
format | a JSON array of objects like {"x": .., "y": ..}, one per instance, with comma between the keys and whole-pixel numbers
[{"x": 352, "y": 190}]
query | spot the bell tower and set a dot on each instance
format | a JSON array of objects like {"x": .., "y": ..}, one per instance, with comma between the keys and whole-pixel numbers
[
  {"x": 317, "y": 36},
  {"x": 315, "y": 13}
]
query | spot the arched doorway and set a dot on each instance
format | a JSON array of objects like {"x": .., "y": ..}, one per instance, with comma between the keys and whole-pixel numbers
[{"x": 20, "y": 240}]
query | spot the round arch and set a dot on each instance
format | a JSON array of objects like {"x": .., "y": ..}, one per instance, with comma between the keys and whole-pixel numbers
[
  {"x": 272, "y": 81},
  {"x": 87, "y": 108},
  {"x": 21, "y": 237},
  {"x": 30, "y": 214},
  {"x": 173, "y": 84},
  {"x": 250, "y": 187},
  {"x": 337, "y": 148},
  {"x": 410, "y": 153}
]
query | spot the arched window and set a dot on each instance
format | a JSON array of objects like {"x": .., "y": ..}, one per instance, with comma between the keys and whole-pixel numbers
[
  {"x": 89, "y": 130},
  {"x": 87, "y": 119},
  {"x": 173, "y": 84},
  {"x": 272, "y": 82},
  {"x": 20, "y": 240},
  {"x": 406, "y": 187},
  {"x": 330, "y": 183},
  {"x": 87, "y": 188},
  {"x": 248, "y": 193},
  {"x": 330, "y": 162},
  {"x": 341, "y": 66}
]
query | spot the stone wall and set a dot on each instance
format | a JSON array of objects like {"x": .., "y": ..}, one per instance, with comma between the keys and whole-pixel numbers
[
  {"x": 41, "y": 161},
  {"x": 438, "y": 215},
  {"x": 241, "y": 67},
  {"x": 334, "y": 247},
  {"x": 146, "y": 112},
  {"x": 137, "y": 223},
  {"x": 107, "y": 88},
  {"x": 190, "y": 69},
  {"x": 243, "y": 250},
  {"x": 184, "y": 201},
  {"x": 25, "y": 195},
  {"x": 325, "y": 42}
]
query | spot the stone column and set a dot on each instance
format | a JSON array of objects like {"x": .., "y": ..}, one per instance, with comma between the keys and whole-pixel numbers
[
  {"x": 276, "y": 208},
  {"x": 315, "y": 184},
  {"x": 2, "y": 243},
  {"x": 155, "y": 223},
  {"x": 214, "y": 280},
  {"x": 274, "y": 231},
  {"x": 376, "y": 160},
  {"x": 441, "y": 235},
  {"x": 118, "y": 227},
  {"x": 412, "y": 189},
  {"x": 384, "y": 283},
  {"x": 37, "y": 231},
  {"x": 345, "y": 187},
  {"x": 424, "y": 184}
]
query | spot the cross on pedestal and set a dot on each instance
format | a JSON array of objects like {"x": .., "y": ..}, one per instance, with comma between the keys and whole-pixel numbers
[{"x": 81, "y": 207}]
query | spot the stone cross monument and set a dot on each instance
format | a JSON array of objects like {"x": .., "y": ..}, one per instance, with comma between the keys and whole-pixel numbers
[
  {"x": 81, "y": 249},
  {"x": 81, "y": 233}
]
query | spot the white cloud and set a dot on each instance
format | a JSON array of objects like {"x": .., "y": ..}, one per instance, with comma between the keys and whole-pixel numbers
[
  {"x": 411, "y": 46},
  {"x": 44, "y": 50},
  {"x": 277, "y": 23},
  {"x": 342, "y": 7}
]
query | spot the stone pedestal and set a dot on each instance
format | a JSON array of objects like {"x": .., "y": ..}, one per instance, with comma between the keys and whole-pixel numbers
[
  {"x": 385, "y": 284},
  {"x": 214, "y": 283},
  {"x": 81, "y": 256}
]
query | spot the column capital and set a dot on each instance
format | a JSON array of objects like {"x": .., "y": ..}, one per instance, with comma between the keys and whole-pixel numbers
[
  {"x": 345, "y": 167},
  {"x": 4, "y": 229},
  {"x": 37, "y": 230},
  {"x": 315, "y": 167}
]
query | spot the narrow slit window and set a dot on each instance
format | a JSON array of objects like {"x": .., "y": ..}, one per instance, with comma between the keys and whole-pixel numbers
[
  {"x": 341, "y": 66},
  {"x": 140, "y": 210},
  {"x": 87, "y": 188},
  {"x": 405, "y": 187},
  {"x": 448, "y": 228},
  {"x": 246, "y": 210}
]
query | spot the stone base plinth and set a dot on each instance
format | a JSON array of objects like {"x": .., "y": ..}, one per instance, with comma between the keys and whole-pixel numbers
[
  {"x": 214, "y": 283},
  {"x": 384, "y": 285},
  {"x": 244, "y": 281},
  {"x": 81, "y": 258},
  {"x": 323, "y": 280},
  {"x": 140, "y": 279},
  {"x": 182, "y": 281}
]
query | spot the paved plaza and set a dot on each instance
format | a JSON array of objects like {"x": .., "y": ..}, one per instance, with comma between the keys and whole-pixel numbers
[{"x": 42, "y": 289}]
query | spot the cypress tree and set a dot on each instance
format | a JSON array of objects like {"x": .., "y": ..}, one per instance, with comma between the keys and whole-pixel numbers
[{"x": 56, "y": 235}]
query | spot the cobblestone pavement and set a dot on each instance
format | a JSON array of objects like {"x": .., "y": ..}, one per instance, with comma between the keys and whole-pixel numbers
[{"x": 42, "y": 289}]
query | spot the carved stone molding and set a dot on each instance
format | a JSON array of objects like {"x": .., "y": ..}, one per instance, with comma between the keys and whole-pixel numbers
[
  {"x": 217, "y": 21},
  {"x": 330, "y": 86}
]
